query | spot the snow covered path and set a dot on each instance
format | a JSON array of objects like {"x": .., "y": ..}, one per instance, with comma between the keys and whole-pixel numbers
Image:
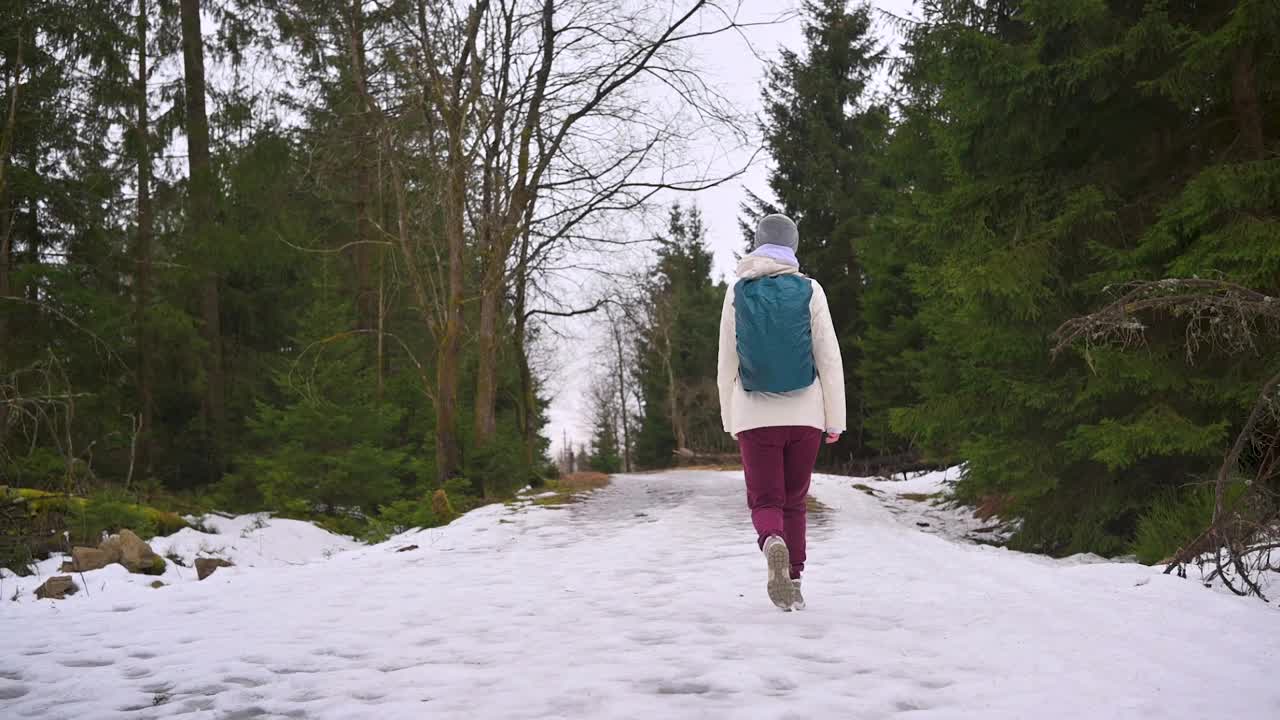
[{"x": 647, "y": 601}]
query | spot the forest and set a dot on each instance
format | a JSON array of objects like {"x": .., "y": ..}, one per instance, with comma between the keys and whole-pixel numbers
[{"x": 307, "y": 256}]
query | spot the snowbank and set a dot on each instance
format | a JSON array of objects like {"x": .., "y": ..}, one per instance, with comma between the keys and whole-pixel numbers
[{"x": 249, "y": 541}]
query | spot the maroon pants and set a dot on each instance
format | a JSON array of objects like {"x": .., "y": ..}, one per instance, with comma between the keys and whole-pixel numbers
[{"x": 778, "y": 462}]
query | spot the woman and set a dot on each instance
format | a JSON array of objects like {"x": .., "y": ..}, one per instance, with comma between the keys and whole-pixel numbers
[{"x": 781, "y": 388}]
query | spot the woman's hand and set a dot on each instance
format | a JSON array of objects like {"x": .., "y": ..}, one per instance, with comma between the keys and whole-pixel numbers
[{"x": 832, "y": 437}]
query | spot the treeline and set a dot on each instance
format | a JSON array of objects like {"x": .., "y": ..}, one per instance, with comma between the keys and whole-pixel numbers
[
  {"x": 295, "y": 255},
  {"x": 1029, "y": 160},
  {"x": 654, "y": 400}
]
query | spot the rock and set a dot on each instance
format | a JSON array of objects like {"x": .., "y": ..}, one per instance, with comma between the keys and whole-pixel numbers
[
  {"x": 84, "y": 559},
  {"x": 157, "y": 585},
  {"x": 407, "y": 548},
  {"x": 134, "y": 554},
  {"x": 57, "y": 588},
  {"x": 206, "y": 566}
]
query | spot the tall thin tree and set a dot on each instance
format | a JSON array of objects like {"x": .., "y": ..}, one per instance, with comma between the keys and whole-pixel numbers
[
  {"x": 202, "y": 200},
  {"x": 142, "y": 242}
]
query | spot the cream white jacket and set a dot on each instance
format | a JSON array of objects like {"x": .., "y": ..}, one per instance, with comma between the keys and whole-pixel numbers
[{"x": 821, "y": 405}]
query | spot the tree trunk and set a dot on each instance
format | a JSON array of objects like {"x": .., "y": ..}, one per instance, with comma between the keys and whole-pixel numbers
[
  {"x": 382, "y": 272},
  {"x": 362, "y": 254},
  {"x": 142, "y": 252},
  {"x": 487, "y": 366},
  {"x": 502, "y": 228},
  {"x": 7, "y": 212},
  {"x": 382, "y": 326},
  {"x": 455, "y": 108},
  {"x": 522, "y": 355},
  {"x": 202, "y": 219},
  {"x": 622, "y": 398},
  {"x": 448, "y": 452},
  {"x": 1247, "y": 110},
  {"x": 673, "y": 397}
]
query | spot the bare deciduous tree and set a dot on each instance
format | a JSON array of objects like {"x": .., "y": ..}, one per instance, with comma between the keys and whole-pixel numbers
[
  {"x": 508, "y": 127},
  {"x": 566, "y": 127}
]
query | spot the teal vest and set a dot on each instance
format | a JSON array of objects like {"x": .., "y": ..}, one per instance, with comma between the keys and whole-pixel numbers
[{"x": 774, "y": 333}]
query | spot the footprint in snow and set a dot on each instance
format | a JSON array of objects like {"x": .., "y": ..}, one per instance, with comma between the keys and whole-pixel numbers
[
  {"x": 683, "y": 688},
  {"x": 86, "y": 662},
  {"x": 820, "y": 659},
  {"x": 778, "y": 685},
  {"x": 136, "y": 673},
  {"x": 13, "y": 691}
]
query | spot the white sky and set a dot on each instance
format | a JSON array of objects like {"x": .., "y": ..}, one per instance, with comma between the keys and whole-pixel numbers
[{"x": 736, "y": 66}]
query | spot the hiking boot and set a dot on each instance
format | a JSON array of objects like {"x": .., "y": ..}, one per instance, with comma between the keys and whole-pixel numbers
[
  {"x": 797, "y": 600},
  {"x": 781, "y": 591}
]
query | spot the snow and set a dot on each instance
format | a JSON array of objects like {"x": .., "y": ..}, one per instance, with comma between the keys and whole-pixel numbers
[
  {"x": 644, "y": 600},
  {"x": 257, "y": 540},
  {"x": 925, "y": 483},
  {"x": 924, "y": 500}
]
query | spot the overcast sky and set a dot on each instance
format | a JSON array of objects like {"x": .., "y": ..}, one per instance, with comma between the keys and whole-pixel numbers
[{"x": 736, "y": 66}]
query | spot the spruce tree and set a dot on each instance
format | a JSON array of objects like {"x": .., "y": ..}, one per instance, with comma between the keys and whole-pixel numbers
[
  {"x": 1068, "y": 139},
  {"x": 677, "y": 346},
  {"x": 826, "y": 135}
]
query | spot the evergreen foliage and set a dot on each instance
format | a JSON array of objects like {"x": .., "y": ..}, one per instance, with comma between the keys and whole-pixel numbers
[
  {"x": 326, "y": 368},
  {"x": 1040, "y": 153},
  {"x": 677, "y": 345},
  {"x": 1024, "y": 160}
]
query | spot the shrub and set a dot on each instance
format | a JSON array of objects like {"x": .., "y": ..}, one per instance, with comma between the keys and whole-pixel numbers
[
  {"x": 401, "y": 516},
  {"x": 43, "y": 468},
  {"x": 1176, "y": 518},
  {"x": 108, "y": 512},
  {"x": 167, "y": 523},
  {"x": 497, "y": 469}
]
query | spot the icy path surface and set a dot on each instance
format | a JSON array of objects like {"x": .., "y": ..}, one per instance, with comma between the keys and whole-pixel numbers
[{"x": 647, "y": 601}]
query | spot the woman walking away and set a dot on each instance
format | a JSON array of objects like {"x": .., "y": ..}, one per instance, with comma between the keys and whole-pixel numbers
[{"x": 781, "y": 388}]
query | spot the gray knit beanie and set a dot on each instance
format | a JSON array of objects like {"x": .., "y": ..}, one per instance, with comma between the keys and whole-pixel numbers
[{"x": 777, "y": 230}]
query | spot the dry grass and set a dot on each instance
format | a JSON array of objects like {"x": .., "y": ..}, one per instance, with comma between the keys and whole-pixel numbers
[
  {"x": 993, "y": 506},
  {"x": 579, "y": 481},
  {"x": 814, "y": 505},
  {"x": 571, "y": 488},
  {"x": 917, "y": 497}
]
